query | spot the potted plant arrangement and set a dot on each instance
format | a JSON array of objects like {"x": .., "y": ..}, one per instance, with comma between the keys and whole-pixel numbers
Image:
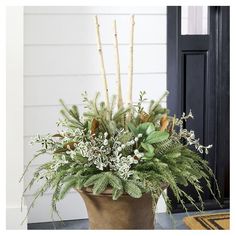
[{"x": 121, "y": 158}]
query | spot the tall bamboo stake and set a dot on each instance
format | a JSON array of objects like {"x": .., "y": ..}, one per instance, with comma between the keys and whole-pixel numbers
[
  {"x": 118, "y": 81},
  {"x": 103, "y": 72},
  {"x": 130, "y": 67}
]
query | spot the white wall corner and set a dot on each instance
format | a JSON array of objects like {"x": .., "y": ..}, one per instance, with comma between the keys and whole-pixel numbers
[
  {"x": 161, "y": 205},
  {"x": 15, "y": 217},
  {"x": 14, "y": 118}
]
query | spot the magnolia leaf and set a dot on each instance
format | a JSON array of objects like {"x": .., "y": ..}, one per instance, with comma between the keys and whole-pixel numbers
[
  {"x": 70, "y": 145},
  {"x": 156, "y": 137},
  {"x": 60, "y": 150},
  {"x": 144, "y": 117},
  {"x": 132, "y": 128},
  {"x": 150, "y": 129},
  {"x": 143, "y": 127},
  {"x": 148, "y": 147},
  {"x": 164, "y": 122},
  {"x": 148, "y": 156},
  {"x": 146, "y": 128},
  {"x": 57, "y": 136},
  {"x": 94, "y": 126},
  {"x": 171, "y": 125}
]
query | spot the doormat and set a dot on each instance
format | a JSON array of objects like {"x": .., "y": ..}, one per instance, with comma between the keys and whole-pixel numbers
[{"x": 208, "y": 222}]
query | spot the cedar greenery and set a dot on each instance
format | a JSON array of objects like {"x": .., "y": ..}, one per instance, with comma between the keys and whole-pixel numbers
[{"x": 99, "y": 150}]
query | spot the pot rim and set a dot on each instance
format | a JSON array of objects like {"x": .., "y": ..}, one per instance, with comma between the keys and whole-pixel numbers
[{"x": 108, "y": 191}]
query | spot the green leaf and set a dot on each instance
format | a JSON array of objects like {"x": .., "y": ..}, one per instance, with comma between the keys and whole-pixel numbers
[
  {"x": 91, "y": 180},
  {"x": 148, "y": 156},
  {"x": 132, "y": 128},
  {"x": 115, "y": 181},
  {"x": 181, "y": 180},
  {"x": 156, "y": 137},
  {"x": 60, "y": 150},
  {"x": 143, "y": 127},
  {"x": 173, "y": 155},
  {"x": 132, "y": 189},
  {"x": 148, "y": 147},
  {"x": 100, "y": 184},
  {"x": 80, "y": 158},
  {"x": 66, "y": 187},
  {"x": 146, "y": 128},
  {"x": 150, "y": 151},
  {"x": 80, "y": 183},
  {"x": 116, "y": 193},
  {"x": 150, "y": 128}
]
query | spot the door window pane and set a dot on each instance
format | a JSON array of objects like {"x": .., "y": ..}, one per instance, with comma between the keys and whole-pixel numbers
[{"x": 194, "y": 20}]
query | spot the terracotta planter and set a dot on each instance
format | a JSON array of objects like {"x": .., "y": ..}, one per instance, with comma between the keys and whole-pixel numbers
[{"x": 124, "y": 213}]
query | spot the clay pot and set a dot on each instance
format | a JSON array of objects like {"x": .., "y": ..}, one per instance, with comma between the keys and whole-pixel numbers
[{"x": 124, "y": 213}]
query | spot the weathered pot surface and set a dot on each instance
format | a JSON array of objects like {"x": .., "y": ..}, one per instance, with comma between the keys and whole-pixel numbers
[{"x": 125, "y": 213}]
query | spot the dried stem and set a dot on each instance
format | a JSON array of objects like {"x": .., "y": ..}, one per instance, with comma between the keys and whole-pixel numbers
[
  {"x": 130, "y": 68},
  {"x": 103, "y": 72},
  {"x": 118, "y": 81}
]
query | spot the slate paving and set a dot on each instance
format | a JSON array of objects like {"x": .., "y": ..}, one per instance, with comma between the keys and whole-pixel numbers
[{"x": 163, "y": 222}]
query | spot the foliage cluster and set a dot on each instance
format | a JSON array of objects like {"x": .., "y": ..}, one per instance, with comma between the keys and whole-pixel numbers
[{"x": 100, "y": 150}]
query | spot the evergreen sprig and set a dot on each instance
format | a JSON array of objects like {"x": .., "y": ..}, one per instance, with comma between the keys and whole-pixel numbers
[{"x": 99, "y": 150}]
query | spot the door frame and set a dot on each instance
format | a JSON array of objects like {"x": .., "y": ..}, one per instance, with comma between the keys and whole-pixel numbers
[{"x": 217, "y": 83}]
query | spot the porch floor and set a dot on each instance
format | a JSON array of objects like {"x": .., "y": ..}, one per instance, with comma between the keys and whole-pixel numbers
[{"x": 163, "y": 220}]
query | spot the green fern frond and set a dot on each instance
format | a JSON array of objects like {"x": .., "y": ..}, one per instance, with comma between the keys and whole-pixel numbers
[
  {"x": 91, "y": 180},
  {"x": 115, "y": 181},
  {"x": 69, "y": 183},
  {"x": 101, "y": 184},
  {"x": 116, "y": 193},
  {"x": 132, "y": 189}
]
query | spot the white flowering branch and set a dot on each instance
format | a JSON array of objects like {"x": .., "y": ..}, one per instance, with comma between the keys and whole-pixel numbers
[{"x": 189, "y": 136}]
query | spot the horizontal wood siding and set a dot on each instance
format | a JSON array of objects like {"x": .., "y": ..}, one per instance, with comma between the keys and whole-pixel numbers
[{"x": 61, "y": 61}]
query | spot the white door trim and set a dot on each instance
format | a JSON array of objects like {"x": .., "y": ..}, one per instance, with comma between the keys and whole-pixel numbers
[{"x": 14, "y": 117}]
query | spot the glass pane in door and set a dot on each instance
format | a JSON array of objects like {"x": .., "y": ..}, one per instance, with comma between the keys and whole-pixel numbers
[{"x": 194, "y": 20}]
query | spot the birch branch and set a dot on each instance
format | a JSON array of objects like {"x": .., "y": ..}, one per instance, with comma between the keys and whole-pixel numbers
[
  {"x": 102, "y": 68},
  {"x": 130, "y": 67},
  {"x": 117, "y": 59}
]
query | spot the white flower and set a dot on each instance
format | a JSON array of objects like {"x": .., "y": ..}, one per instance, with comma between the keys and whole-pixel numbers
[
  {"x": 119, "y": 149},
  {"x": 123, "y": 146},
  {"x": 105, "y": 134},
  {"x": 136, "y": 152},
  {"x": 140, "y": 155},
  {"x": 136, "y": 139},
  {"x": 140, "y": 135},
  {"x": 105, "y": 142}
]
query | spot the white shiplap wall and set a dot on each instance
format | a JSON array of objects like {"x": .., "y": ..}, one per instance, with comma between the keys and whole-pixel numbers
[{"x": 61, "y": 61}]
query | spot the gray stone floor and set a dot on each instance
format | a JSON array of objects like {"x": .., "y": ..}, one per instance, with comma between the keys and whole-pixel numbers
[{"x": 163, "y": 220}]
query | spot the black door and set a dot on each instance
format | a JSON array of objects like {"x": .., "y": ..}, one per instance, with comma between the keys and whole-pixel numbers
[{"x": 198, "y": 79}]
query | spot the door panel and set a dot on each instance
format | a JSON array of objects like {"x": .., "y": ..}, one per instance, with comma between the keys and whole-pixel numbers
[{"x": 198, "y": 79}]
